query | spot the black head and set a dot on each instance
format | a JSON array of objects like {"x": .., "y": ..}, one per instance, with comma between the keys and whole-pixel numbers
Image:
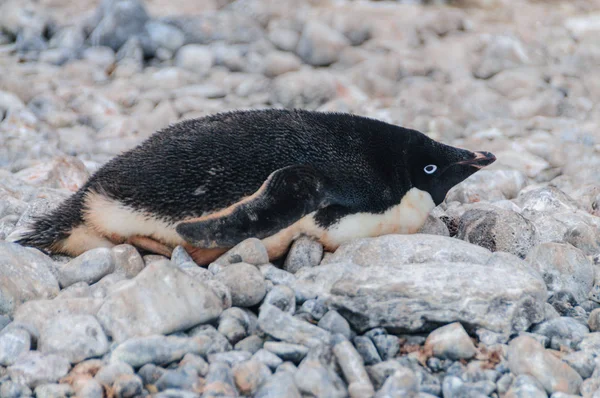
[{"x": 435, "y": 167}]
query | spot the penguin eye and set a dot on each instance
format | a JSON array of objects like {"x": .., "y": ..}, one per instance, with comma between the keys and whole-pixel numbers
[{"x": 430, "y": 168}]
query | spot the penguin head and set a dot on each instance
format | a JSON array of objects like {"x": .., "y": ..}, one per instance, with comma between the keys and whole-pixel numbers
[{"x": 436, "y": 167}]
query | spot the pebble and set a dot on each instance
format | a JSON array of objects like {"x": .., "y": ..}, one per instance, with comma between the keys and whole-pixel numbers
[
  {"x": 195, "y": 58},
  {"x": 89, "y": 267},
  {"x": 359, "y": 384},
  {"x": 318, "y": 380},
  {"x": 150, "y": 373},
  {"x": 333, "y": 322},
  {"x": 282, "y": 297},
  {"x": 402, "y": 383},
  {"x": 13, "y": 342},
  {"x": 367, "y": 350},
  {"x": 526, "y": 386},
  {"x": 128, "y": 386},
  {"x": 246, "y": 283},
  {"x": 304, "y": 252},
  {"x": 286, "y": 351},
  {"x": 151, "y": 301},
  {"x": 34, "y": 368},
  {"x": 219, "y": 342},
  {"x": 451, "y": 342},
  {"x": 11, "y": 389},
  {"x": 182, "y": 379},
  {"x": 315, "y": 308},
  {"x": 127, "y": 260},
  {"x": 249, "y": 375},
  {"x": 195, "y": 362},
  {"x": 251, "y": 344},
  {"x": 159, "y": 349},
  {"x": 527, "y": 357},
  {"x": 54, "y": 391},
  {"x": 582, "y": 361},
  {"x": 319, "y": 44},
  {"x": 219, "y": 381},
  {"x": 268, "y": 358},
  {"x": 562, "y": 331},
  {"x": 281, "y": 384},
  {"x": 233, "y": 324},
  {"x": 250, "y": 251},
  {"x": 107, "y": 374},
  {"x": 284, "y": 327},
  {"x": 231, "y": 357},
  {"x": 594, "y": 320}
]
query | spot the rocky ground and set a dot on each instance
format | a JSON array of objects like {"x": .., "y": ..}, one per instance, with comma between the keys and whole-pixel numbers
[{"x": 499, "y": 296}]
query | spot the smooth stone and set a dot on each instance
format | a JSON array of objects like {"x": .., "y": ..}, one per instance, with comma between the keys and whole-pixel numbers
[
  {"x": 303, "y": 89},
  {"x": 583, "y": 362},
  {"x": 284, "y": 327},
  {"x": 107, "y": 374},
  {"x": 527, "y": 357},
  {"x": 115, "y": 22},
  {"x": 13, "y": 342},
  {"x": 231, "y": 358},
  {"x": 246, "y": 283},
  {"x": 305, "y": 252},
  {"x": 319, "y": 44},
  {"x": 34, "y": 368},
  {"x": 250, "y": 375},
  {"x": 281, "y": 384},
  {"x": 402, "y": 383},
  {"x": 183, "y": 379},
  {"x": 564, "y": 268},
  {"x": 333, "y": 322},
  {"x": 286, "y": 351},
  {"x": 268, "y": 358},
  {"x": 481, "y": 185},
  {"x": 282, "y": 297},
  {"x": 150, "y": 373},
  {"x": 251, "y": 344},
  {"x": 451, "y": 342},
  {"x": 219, "y": 381},
  {"x": 128, "y": 386},
  {"x": 315, "y": 308},
  {"x": 162, "y": 299},
  {"x": 10, "y": 389},
  {"x": 219, "y": 342},
  {"x": 54, "y": 391},
  {"x": 562, "y": 331},
  {"x": 525, "y": 386},
  {"x": 594, "y": 320},
  {"x": 250, "y": 251},
  {"x": 196, "y": 362},
  {"x": 159, "y": 349},
  {"x": 234, "y": 324},
  {"x": 195, "y": 58},
  {"x": 313, "y": 378},
  {"x": 367, "y": 350},
  {"x": 128, "y": 260},
  {"x": 76, "y": 337},
  {"x": 89, "y": 267},
  {"x": 387, "y": 345},
  {"x": 25, "y": 274}
]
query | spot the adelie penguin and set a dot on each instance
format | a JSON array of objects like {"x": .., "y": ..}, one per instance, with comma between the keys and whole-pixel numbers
[{"x": 209, "y": 183}]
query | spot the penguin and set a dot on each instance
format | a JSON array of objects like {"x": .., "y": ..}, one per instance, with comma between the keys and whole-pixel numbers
[{"x": 273, "y": 174}]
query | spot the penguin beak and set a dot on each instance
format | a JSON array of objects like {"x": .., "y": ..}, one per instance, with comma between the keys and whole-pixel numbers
[{"x": 480, "y": 160}]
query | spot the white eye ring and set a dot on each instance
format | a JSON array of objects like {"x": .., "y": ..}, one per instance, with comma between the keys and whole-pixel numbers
[{"x": 430, "y": 168}]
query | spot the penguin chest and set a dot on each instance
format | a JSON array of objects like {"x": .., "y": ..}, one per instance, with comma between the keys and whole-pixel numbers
[{"x": 407, "y": 217}]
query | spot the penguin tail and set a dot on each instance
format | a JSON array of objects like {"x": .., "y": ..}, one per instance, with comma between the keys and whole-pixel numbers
[{"x": 50, "y": 232}]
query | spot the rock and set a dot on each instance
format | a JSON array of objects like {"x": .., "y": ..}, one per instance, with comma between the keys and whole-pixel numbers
[
  {"x": 367, "y": 350},
  {"x": 281, "y": 384},
  {"x": 268, "y": 358},
  {"x": 279, "y": 62},
  {"x": 250, "y": 251},
  {"x": 388, "y": 346},
  {"x": 483, "y": 185},
  {"x": 434, "y": 226},
  {"x": 368, "y": 296},
  {"x": 128, "y": 260},
  {"x": 251, "y": 344},
  {"x": 333, "y": 322},
  {"x": 54, "y": 391},
  {"x": 246, "y": 283},
  {"x": 165, "y": 36},
  {"x": 150, "y": 373},
  {"x": 231, "y": 357},
  {"x": 562, "y": 331},
  {"x": 527, "y": 357},
  {"x": 526, "y": 386},
  {"x": 159, "y": 349},
  {"x": 594, "y": 320},
  {"x": 101, "y": 56},
  {"x": 75, "y": 337},
  {"x": 287, "y": 352},
  {"x": 497, "y": 230},
  {"x": 250, "y": 375},
  {"x": 219, "y": 381},
  {"x": 315, "y": 379},
  {"x": 183, "y": 379},
  {"x": 109, "y": 373},
  {"x": 219, "y": 342},
  {"x": 117, "y": 21},
  {"x": 10, "y": 389},
  {"x": 13, "y": 342},
  {"x": 34, "y": 368},
  {"x": 359, "y": 384},
  {"x": 162, "y": 299},
  {"x": 403, "y": 383},
  {"x": 320, "y": 45},
  {"x": 305, "y": 252},
  {"x": 451, "y": 342},
  {"x": 128, "y": 386},
  {"x": 303, "y": 89},
  {"x": 234, "y": 324},
  {"x": 89, "y": 267},
  {"x": 285, "y": 327},
  {"x": 499, "y": 53},
  {"x": 38, "y": 312},
  {"x": 582, "y": 361},
  {"x": 564, "y": 268},
  {"x": 282, "y": 297},
  {"x": 315, "y": 308},
  {"x": 24, "y": 275},
  {"x": 195, "y": 58}
]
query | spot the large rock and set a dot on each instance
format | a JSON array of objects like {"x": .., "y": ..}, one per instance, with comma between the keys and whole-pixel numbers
[
  {"x": 406, "y": 285},
  {"x": 487, "y": 185},
  {"x": 527, "y": 357},
  {"x": 161, "y": 299},
  {"x": 37, "y": 313},
  {"x": 25, "y": 274},
  {"x": 564, "y": 268}
]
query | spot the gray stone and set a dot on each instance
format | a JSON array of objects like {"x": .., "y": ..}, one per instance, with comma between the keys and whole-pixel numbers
[
  {"x": 527, "y": 387},
  {"x": 497, "y": 229},
  {"x": 303, "y": 89},
  {"x": 281, "y": 384},
  {"x": 116, "y": 21},
  {"x": 174, "y": 393},
  {"x": 10, "y": 389},
  {"x": 13, "y": 342},
  {"x": 37, "y": 313},
  {"x": 183, "y": 379},
  {"x": 251, "y": 344},
  {"x": 527, "y": 357},
  {"x": 162, "y": 299},
  {"x": 128, "y": 386},
  {"x": 128, "y": 260},
  {"x": 54, "y": 391},
  {"x": 76, "y": 337},
  {"x": 387, "y": 345},
  {"x": 250, "y": 375},
  {"x": 268, "y": 358},
  {"x": 365, "y": 347},
  {"x": 250, "y": 251},
  {"x": 219, "y": 381},
  {"x": 286, "y": 351},
  {"x": 196, "y": 362},
  {"x": 582, "y": 361},
  {"x": 485, "y": 183},
  {"x": 499, "y": 52},
  {"x": 106, "y": 285},
  {"x": 434, "y": 226},
  {"x": 107, "y": 374},
  {"x": 315, "y": 379},
  {"x": 246, "y": 283},
  {"x": 195, "y": 58},
  {"x": 451, "y": 342},
  {"x": 305, "y": 252},
  {"x": 231, "y": 357},
  {"x": 315, "y": 308},
  {"x": 285, "y": 327},
  {"x": 594, "y": 320},
  {"x": 150, "y": 373},
  {"x": 34, "y": 368},
  {"x": 402, "y": 383},
  {"x": 25, "y": 274},
  {"x": 76, "y": 290},
  {"x": 165, "y": 36},
  {"x": 219, "y": 342},
  {"x": 235, "y": 324},
  {"x": 351, "y": 363},
  {"x": 562, "y": 331},
  {"x": 159, "y": 350},
  {"x": 276, "y": 275},
  {"x": 564, "y": 268},
  {"x": 89, "y": 267},
  {"x": 333, "y": 322},
  {"x": 282, "y": 297},
  {"x": 279, "y": 62},
  {"x": 320, "y": 45}
]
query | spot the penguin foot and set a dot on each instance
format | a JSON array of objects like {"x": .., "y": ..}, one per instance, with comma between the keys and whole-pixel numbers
[
  {"x": 203, "y": 256},
  {"x": 149, "y": 244}
]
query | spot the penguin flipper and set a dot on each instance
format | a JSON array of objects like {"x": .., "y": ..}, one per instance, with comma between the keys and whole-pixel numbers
[{"x": 287, "y": 195}]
